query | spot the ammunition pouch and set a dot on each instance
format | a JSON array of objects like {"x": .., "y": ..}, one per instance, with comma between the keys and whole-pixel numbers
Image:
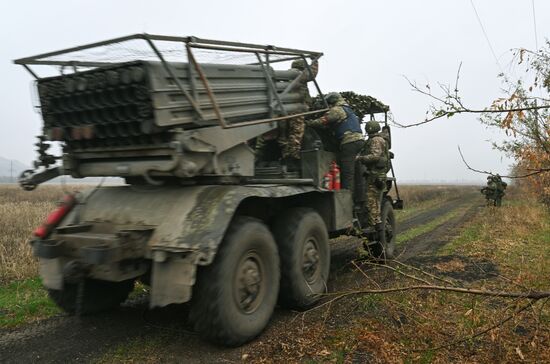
[{"x": 374, "y": 178}]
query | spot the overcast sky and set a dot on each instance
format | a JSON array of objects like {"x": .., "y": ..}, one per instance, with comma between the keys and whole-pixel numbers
[{"x": 368, "y": 45}]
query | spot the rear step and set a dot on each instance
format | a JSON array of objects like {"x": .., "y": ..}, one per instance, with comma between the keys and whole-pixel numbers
[{"x": 79, "y": 242}]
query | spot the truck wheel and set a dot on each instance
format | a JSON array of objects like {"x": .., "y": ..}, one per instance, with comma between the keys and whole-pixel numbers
[
  {"x": 385, "y": 249},
  {"x": 235, "y": 296},
  {"x": 98, "y": 295},
  {"x": 302, "y": 238}
]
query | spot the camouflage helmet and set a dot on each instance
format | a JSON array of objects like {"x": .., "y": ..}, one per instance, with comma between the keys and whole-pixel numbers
[
  {"x": 332, "y": 98},
  {"x": 372, "y": 127},
  {"x": 298, "y": 64}
]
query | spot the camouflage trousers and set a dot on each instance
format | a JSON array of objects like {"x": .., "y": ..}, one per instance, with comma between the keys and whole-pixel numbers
[
  {"x": 374, "y": 199},
  {"x": 290, "y": 137}
]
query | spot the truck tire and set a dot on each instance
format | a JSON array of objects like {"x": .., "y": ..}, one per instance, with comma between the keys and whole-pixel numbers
[
  {"x": 234, "y": 297},
  {"x": 385, "y": 249},
  {"x": 98, "y": 295},
  {"x": 302, "y": 238}
]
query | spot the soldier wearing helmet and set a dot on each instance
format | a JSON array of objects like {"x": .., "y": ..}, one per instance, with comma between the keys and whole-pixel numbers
[
  {"x": 494, "y": 191},
  {"x": 291, "y": 131},
  {"x": 346, "y": 127},
  {"x": 376, "y": 159}
]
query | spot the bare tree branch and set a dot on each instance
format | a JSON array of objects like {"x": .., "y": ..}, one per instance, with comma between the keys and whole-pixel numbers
[
  {"x": 398, "y": 272},
  {"x": 538, "y": 171}
]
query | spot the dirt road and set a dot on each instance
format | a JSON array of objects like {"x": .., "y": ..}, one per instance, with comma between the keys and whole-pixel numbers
[{"x": 162, "y": 333}]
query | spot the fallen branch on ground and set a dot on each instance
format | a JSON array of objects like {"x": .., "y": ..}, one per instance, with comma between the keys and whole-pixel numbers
[{"x": 534, "y": 295}]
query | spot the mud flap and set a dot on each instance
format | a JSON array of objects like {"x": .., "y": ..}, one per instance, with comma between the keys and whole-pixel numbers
[
  {"x": 51, "y": 271},
  {"x": 172, "y": 280}
]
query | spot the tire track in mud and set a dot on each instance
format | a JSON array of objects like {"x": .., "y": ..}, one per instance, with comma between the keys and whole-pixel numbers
[
  {"x": 345, "y": 249},
  {"x": 62, "y": 338},
  {"x": 431, "y": 241}
]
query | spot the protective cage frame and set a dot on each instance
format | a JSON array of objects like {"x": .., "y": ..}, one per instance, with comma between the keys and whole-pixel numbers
[{"x": 261, "y": 52}]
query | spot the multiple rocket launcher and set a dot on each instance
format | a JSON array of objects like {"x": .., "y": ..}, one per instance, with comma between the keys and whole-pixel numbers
[{"x": 139, "y": 103}]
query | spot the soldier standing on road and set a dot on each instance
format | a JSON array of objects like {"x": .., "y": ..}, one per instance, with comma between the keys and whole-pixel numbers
[
  {"x": 347, "y": 129},
  {"x": 291, "y": 131},
  {"x": 499, "y": 193},
  {"x": 494, "y": 191},
  {"x": 375, "y": 157}
]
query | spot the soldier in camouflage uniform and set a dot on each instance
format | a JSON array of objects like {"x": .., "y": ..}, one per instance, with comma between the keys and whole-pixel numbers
[
  {"x": 501, "y": 187},
  {"x": 347, "y": 129},
  {"x": 375, "y": 157},
  {"x": 291, "y": 131},
  {"x": 494, "y": 191}
]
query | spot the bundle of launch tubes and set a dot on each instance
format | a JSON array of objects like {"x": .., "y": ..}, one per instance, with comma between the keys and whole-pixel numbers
[{"x": 140, "y": 102}]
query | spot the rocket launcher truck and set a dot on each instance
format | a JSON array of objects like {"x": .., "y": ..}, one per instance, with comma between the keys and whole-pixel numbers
[{"x": 199, "y": 218}]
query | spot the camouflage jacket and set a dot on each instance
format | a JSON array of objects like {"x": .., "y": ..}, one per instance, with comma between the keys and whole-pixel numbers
[
  {"x": 334, "y": 116},
  {"x": 304, "y": 79},
  {"x": 375, "y": 156}
]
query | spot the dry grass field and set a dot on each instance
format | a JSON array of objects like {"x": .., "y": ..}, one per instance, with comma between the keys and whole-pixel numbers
[
  {"x": 415, "y": 195},
  {"x": 20, "y": 213}
]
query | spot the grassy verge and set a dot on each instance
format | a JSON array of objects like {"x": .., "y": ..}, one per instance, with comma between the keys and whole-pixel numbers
[
  {"x": 516, "y": 235},
  {"x": 23, "y": 302},
  {"x": 509, "y": 250}
]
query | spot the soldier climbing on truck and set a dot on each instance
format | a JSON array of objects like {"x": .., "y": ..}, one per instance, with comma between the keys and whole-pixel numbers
[
  {"x": 231, "y": 236},
  {"x": 291, "y": 131},
  {"x": 376, "y": 159},
  {"x": 345, "y": 125}
]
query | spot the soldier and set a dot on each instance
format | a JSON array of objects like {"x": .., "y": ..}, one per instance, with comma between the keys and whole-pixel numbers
[
  {"x": 494, "y": 191},
  {"x": 291, "y": 131},
  {"x": 489, "y": 190},
  {"x": 500, "y": 188},
  {"x": 347, "y": 129},
  {"x": 375, "y": 157}
]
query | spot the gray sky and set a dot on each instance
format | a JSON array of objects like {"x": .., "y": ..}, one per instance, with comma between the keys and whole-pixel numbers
[{"x": 368, "y": 46}]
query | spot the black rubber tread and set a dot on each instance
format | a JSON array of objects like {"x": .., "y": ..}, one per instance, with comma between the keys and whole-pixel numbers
[
  {"x": 98, "y": 295},
  {"x": 290, "y": 230},
  {"x": 214, "y": 312},
  {"x": 385, "y": 250}
]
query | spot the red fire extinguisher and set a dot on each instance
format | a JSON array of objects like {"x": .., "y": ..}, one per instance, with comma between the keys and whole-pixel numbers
[
  {"x": 335, "y": 171},
  {"x": 328, "y": 181}
]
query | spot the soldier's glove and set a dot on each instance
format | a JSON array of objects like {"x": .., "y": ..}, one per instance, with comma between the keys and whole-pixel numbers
[
  {"x": 365, "y": 160},
  {"x": 379, "y": 183}
]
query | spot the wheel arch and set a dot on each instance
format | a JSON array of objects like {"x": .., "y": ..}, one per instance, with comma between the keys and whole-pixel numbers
[{"x": 268, "y": 208}]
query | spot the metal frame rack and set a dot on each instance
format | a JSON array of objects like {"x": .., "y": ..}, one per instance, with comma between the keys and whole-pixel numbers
[{"x": 265, "y": 55}]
